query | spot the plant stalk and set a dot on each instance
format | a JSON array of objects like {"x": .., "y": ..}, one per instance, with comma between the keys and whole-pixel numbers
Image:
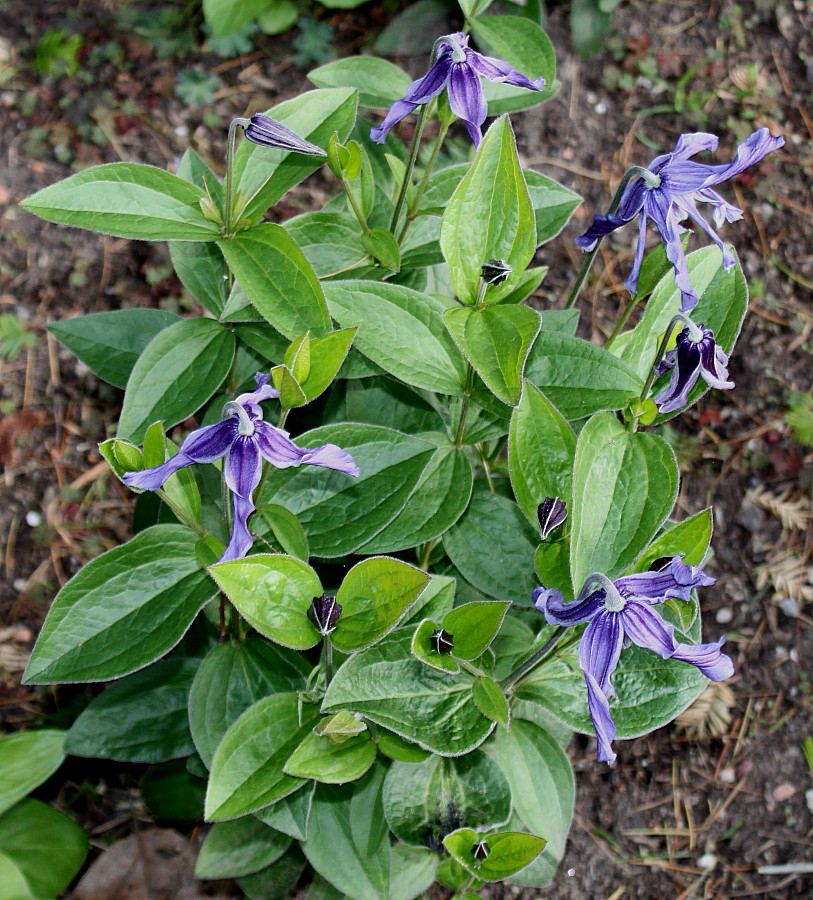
[
  {"x": 179, "y": 513},
  {"x": 423, "y": 115},
  {"x": 533, "y": 660},
  {"x": 413, "y": 207}
]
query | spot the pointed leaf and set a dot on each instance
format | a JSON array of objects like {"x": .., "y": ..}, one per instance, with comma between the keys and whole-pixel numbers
[
  {"x": 474, "y": 626},
  {"x": 491, "y": 701},
  {"x": 239, "y": 847},
  {"x": 328, "y": 762},
  {"x": 27, "y": 758}
]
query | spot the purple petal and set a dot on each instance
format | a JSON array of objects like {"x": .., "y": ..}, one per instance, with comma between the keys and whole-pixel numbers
[
  {"x": 498, "y": 70},
  {"x": 660, "y": 209},
  {"x": 677, "y": 580},
  {"x": 551, "y": 603},
  {"x": 267, "y": 132},
  {"x": 602, "y": 226},
  {"x": 475, "y": 133},
  {"x": 714, "y": 363},
  {"x": 243, "y": 466},
  {"x": 201, "y": 446},
  {"x": 631, "y": 284},
  {"x": 599, "y": 707},
  {"x": 551, "y": 513},
  {"x": 275, "y": 445},
  {"x": 684, "y": 376},
  {"x": 723, "y": 211},
  {"x": 251, "y": 400},
  {"x": 420, "y": 91},
  {"x": 630, "y": 205},
  {"x": 754, "y": 148},
  {"x": 691, "y": 144},
  {"x": 329, "y": 456},
  {"x": 466, "y": 97},
  {"x": 711, "y": 661},
  {"x": 241, "y": 540},
  {"x": 688, "y": 206},
  {"x": 600, "y": 648}
]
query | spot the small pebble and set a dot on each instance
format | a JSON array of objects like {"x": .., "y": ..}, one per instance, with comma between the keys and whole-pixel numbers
[
  {"x": 600, "y": 107},
  {"x": 180, "y": 131},
  {"x": 707, "y": 861},
  {"x": 783, "y": 792},
  {"x": 33, "y": 518},
  {"x": 572, "y": 872},
  {"x": 809, "y": 799},
  {"x": 728, "y": 775},
  {"x": 19, "y": 584},
  {"x": 789, "y": 607},
  {"x": 724, "y": 615}
]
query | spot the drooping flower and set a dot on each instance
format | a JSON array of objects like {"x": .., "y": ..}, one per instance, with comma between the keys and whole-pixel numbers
[
  {"x": 669, "y": 192},
  {"x": 245, "y": 440},
  {"x": 621, "y": 612},
  {"x": 457, "y": 68},
  {"x": 262, "y": 129},
  {"x": 695, "y": 354}
]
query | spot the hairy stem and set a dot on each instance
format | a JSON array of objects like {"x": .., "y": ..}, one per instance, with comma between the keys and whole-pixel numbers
[
  {"x": 533, "y": 660},
  {"x": 633, "y": 302}
]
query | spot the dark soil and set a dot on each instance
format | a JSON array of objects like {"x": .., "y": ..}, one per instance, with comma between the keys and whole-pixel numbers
[{"x": 677, "y": 817}]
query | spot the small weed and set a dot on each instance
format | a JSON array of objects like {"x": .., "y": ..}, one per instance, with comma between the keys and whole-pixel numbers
[
  {"x": 799, "y": 417},
  {"x": 57, "y": 53},
  {"x": 313, "y": 43},
  {"x": 196, "y": 87},
  {"x": 15, "y": 336}
]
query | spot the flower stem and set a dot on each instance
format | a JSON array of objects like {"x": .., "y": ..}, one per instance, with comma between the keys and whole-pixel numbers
[
  {"x": 328, "y": 660},
  {"x": 428, "y": 547},
  {"x": 533, "y": 660},
  {"x": 486, "y": 467},
  {"x": 228, "y": 179},
  {"x": 633, "y": 302},
  {"x": 464, "y": 408},
  {"x": 180, "y": 513},
  {"x": 423, "y": 115},
  {"x": 413, "y": 207},
  {"x": 351, "y": 198}
]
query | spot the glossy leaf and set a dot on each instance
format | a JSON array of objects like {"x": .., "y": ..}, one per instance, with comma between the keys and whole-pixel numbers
[
  {"x": 491, "y": 701},
  {"x": 474, "y": 626},
  {"x": 323, "y": 759},
  {"x": 27, "y": 758},
  {"x": 291, "y": 814},
  {"x": 508, "y": 852},
  {"x": 379, "y": 82}
]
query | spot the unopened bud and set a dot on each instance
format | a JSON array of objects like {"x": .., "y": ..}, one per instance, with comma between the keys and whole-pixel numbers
[
  {"x": 495, "y": 271},
  {"x": 324, "y": 612},
  {"x": 480, "y": 850},
  {"x": 442, "y": 642},
  {"x": 552, "y": 513}
]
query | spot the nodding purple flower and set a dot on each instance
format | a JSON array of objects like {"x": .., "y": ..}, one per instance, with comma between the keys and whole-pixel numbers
[
  {"x": 695, "y": 354},
  {"x": 457, "y": 68},
  {"x": 262, "y": 129},
  {"x": 245, "y": 440},
  {"x": 621, "y": 612},
  {"x": 668, "y": 193}
]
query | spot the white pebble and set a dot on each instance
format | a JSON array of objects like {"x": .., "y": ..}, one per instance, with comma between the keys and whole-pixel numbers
[
  {"x": 600, "y": 107},
  {"x": 180, "y": 131},
  {"x": 728, "y": 775},
  {"x": 809, "y": 799},
  {"x": 707, "y": 861},
  {"x": 724, "y": 615},
  {"x": 789, "y": 607},
  {"x": 572, "y": 872},
  {"x": 33, "y": 518}
]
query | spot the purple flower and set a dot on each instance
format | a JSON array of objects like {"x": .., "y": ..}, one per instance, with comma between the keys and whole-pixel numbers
[
  {"x": 262, "y": 129},
  {"x": 457, "y": 68},
  {"x": 668, "y": 192},
  {"x": 695, "y": 354},
  {"x": 551, "y": 512},
  {"x": 245, "y": 440},
  {"x": 620, "y": 612}
]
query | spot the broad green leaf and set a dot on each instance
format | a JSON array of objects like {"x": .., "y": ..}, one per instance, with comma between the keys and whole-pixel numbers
[
  {"x": 508, "y": 852},
  {"x": 564, "y": 320},
  {"x": 386, "y": 684},
  {"x": 327, "y": 355},
  {"x": 542, "y": 790},
  {"x": 193, "y": 169},
  {"x": 171, "y": 791},
  {"x": 46, "y": 847},
  {"x": 126, "y": 200},
  {"x": 290, "y": 815},
  {"x": 691, "y": 538},
  {"x": 340, "y": 513},
  {"x": 277, "y": 16},
  {"x": 323, "y": 759},
  {"x": 491, "y": 701},
  {"x": 496, "y": 341},
  {"x": 493, "y": 547},
  {"x": 423, "y": 800},
  {"x": 239, "y": 847},
  {"x": 578, "y": 377},
  {"x": 234, "y": 677},
  {"x": 348, "y": 842},
  {"x": 180, "y": 369},
  {"x": 438, "y": 501},
  {"x": 402, "y": 331},
  {"x": 474, "y": 626},
  {"x": 27, "y": 758},
  {"x": 396, "y": 747},
  {"x": 412, "y": 871},
  {"x": 383, "y": 248},
  {"x": 275, "y": 882},
  {"x": 278, "y": 279},
  {"x": 374, "y": 596},
  {"x": 263, "y": 175},
  {"x": 528, "y": 282},
  {"x": 340, "y": 725},
  {"x": 624, "y": 487},
  {"x": 13, "y": 880},
  {"x": 123, "y": 610},
  {"x": 247, "y": 768},
  {"x": 541, "y": 447},
  {"x": 423, "y": 649},
  {"x": 382, "y": 401},
  {"x": 273, "y": 593},
  {"x": 435, "y": 601},
  {"x": 202, "y": 270},
  {"x": 489, "y": 217},
  {"x": 379, "y": 82},
  {"x": 142, "y": 718},
  {"x": 331, "y": 241},
  {"x": 226, "y": 17},
  {"x": 553, "y": 204},
  {"x": 109, "y": 343},
  {"x": 287, "y": 530}
]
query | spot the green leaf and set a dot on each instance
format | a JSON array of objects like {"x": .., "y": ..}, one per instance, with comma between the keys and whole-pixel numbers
[
  {"x": 180, "y": 369},
  {"x": 109, "y": 343},
  {"x": 691, "y": 537},
  {"x": 386, "y": 684},
  {"x": 491, "y": 701},
  {"x": 45, "y": 847},
  {"x": 123, "y": 610},
  {"x": 541, "y": 447},
  {"x": 374, "y": 596},
  {"x": 493, "y": 547},
  {"x": 226, "y": 17},
  {"x": 508, "y": 852},
  {"x": 239, "y": 847},
  {"x": 340, "y": 513},
  {"x": 277, "y": 16},
  {"x": 553, "y": 205},
  {"x": 327, "y": 355},
  {"x": 27, "y": 758},
  {"x": 578, "y": 377},
  {"x": 247, "y": 767},
  {"x": 423, "y": 800},
  {"x": 383, "y": 247},
  {"x": 624, "y": 486},
  {"x": 330, "y": 240},
  {"x": 489, "y": 217},
  {"x": 289, "y": 533},
  {"x": 422, "y": 649},
  {"x": 126, "y": 200},
  {"x": 474, "y": 626},
  {"x": 496, "y": 341},
  {"x": 273, "y": 593},
  {"x": 438, "y": 501},
  {"x": 396, "y": 747},
  {"x": 402, "y": 331},
  {"x": 542, "y": 789},
  {"x": 321, "y": 758},
  {"x": 263, "y": 175},
  {"x": 291, "y": 814},
  {"x": 142, "y": 718},
  {"x": 171, "y": 791},
  {"x": 348, "y": 841},
  {"x": 202, "y": 271},
  {"x": 278, "y": 279},
  {"x": 379, "y": 82},
  {"x": 435, "y": 601}
]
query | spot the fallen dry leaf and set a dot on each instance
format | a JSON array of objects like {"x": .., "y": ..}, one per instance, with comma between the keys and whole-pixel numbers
[{"x": 11, "y": 427}]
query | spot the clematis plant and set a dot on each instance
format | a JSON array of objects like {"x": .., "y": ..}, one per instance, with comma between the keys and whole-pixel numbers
[{"x": 364, "y": 697}]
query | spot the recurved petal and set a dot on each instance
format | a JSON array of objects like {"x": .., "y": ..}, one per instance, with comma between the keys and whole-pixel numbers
[
  {"x": 602, "y": 226},
  {"x": 709, "y": 658},
  {"x": 241, "y": 540},
  {"x": 754, "y": 148},
  {"x": 693, "y": 143},
  {"x": 551, "y": 603},
  {"x": 599, "y": 707},
  {"x": 498, "y": 70},
  {"x": 714, "y": 363},
  {"x": 329, "y": 456},
  {"x": 600, "y": 648},
  {"x": 243, "y": 466},
  {"x": 466, "y": 96},
  {"x": 683, "y": 378},
  {"x": 676, "y": 580}
]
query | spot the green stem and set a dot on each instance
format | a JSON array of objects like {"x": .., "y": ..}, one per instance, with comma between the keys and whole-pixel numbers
[
  {"x": 423, "y": 115},
  {"x": 486, "y": 468},
  {"x": 428, "y": 547},
  {"x": 328, "y": 661},
  {"x": 473, "y": 670},
  {"x": 351, "y": 197},
  {"x": 464, "y": 408},
  {"x": 533, "y": 660},
  {"x": 179, "y": 513},
  {"x": 633, "y": 302},
  {"x": 413, "y": 207},
  {"x": 283, "y": 416},
  {"x": 228, "y": 180}
]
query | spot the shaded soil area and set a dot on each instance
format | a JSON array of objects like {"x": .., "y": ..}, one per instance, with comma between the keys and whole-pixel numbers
[{"x": 690, "y": 811}]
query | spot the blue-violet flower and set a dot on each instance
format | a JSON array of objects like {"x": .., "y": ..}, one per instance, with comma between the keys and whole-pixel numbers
[
  {"x": 262, "y": 129},
  {"x": 458, "y": 68},
  {"x": 245, "y": 440},
  {"x": 695, "y": 354},
  {"x": 668, "y": 193},
  {"x": 621, "y": 612}
]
